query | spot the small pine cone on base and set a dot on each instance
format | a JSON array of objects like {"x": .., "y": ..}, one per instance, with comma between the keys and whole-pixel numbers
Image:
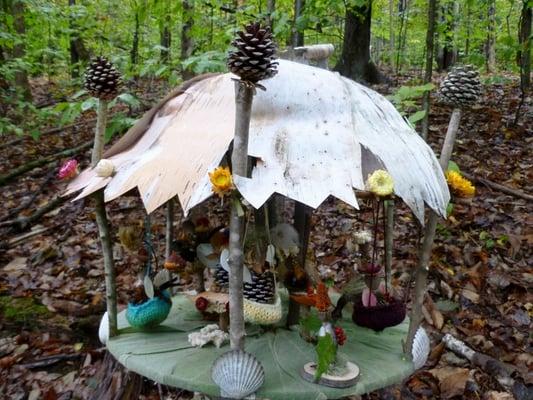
[
  {"x": 254, "y": 58},
  {"x": 461, "y": 87},
  {"x": 102, "y": 80}
]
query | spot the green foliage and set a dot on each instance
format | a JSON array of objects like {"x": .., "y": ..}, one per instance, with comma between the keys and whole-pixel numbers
[
  {"x": 406, "y": 100},
  {"x": 326, "y": 352},
  {"x": 452, "y": 166},
  {"x": 22, "y": 310},
  {"x": 310, "y": 323}
]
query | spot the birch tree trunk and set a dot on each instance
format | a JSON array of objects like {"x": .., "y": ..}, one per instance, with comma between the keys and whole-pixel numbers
[
  {"x": 422, "y": 267},
  {"x": 239, "y": 161},
  {"x": 102, "y": 222}
]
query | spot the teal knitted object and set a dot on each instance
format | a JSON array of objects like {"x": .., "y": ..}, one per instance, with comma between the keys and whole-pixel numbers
[{"x": 150, "y": 313}]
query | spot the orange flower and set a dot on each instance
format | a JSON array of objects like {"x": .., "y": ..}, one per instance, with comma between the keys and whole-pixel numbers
[
  {"x": 318, "y": 299},
  {"x": 222, "y": 181}
]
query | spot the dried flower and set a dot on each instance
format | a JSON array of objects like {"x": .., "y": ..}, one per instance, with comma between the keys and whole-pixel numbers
[
  {"x": 380, "y": 183},
  {"x": 459, "y": 185},
  {"x": 222, "y": 181},
  {"x": 319, "y": 299},
  {"x": 68, "y": 170},
  {"x": 105, "y": 168},
  {"x": 362, "y": 237}
]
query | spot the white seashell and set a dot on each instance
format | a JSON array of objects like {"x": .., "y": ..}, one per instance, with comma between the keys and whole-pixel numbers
[
  {"x": 105, "y": 168},
  {"x": 421, "y": 347},
  {"x": 224, "y": 263},
  {"x": 103, "y": 329},
  {"x": 207, "y": 256},
  {"x": 238, "y": 374}
]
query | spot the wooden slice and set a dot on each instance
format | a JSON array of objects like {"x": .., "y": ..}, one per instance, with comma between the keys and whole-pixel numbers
[{"x": 341, "y": 381}]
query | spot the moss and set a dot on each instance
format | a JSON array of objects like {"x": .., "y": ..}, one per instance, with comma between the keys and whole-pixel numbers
[{"x": 22, "y": 310}]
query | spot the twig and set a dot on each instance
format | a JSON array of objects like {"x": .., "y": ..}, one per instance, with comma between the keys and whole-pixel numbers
[
  {"x": 422, "y": 267},
  {"x": 169, "y": 231},
  {"x": 23, "y": 222},
  {"x": 239, "y": 161},
  {"x": 102, "y": 222},
  {"x": 498, "y": 187},
  {"x": 50, "y": 360},
  {"x": 42, "y": 161},
  {"x": 502, "y": 372}
]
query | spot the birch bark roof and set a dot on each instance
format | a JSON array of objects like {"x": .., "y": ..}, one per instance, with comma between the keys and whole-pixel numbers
[{"x": 313, "y": 132}]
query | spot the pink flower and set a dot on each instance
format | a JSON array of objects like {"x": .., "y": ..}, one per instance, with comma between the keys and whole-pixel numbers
[
  {"x": 369, "y": 298},
  {"x": 68, "y": 170}
]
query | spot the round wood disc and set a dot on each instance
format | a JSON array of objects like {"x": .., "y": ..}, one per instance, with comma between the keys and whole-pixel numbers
[{"x": 341, "y": 381}]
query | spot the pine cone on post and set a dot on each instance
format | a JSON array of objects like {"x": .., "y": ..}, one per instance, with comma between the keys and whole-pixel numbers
[
  {"x": 461, "y": 87},
  {"x": 102, "y": 80},
  {"x": 253, "y": 60}
]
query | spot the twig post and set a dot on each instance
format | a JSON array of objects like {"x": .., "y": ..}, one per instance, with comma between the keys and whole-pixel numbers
[
  {"x": 239, "y": 160},
  {"x": 389, "y": 239},
  {"x": 422, "y": 267},
  {"x": 102, "y": 222}
]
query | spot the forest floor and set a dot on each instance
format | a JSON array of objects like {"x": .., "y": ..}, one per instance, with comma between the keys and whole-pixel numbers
[{"x": 481, "y": 281}]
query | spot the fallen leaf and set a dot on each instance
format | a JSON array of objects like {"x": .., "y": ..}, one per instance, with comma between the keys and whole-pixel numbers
[
  {"x": 17, "y": 264},
  {"x": 452, "y": 381}
]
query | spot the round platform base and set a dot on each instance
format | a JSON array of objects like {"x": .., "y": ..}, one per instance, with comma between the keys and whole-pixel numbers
[
  {"x": 342, "y": 381},
  {"x": 165, "y": 355}
]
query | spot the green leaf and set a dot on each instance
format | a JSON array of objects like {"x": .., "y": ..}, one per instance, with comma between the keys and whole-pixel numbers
[
  {"x": 129, "y": 99},
  {"x": 452, "y": 166},
  {"x": 449, "y": 209},
  {"x": 89, "y": 104},
  {"x": 326, "y": 353},
  {"x": 417, "y": 116},
  {"x": 310, "y": 323}
]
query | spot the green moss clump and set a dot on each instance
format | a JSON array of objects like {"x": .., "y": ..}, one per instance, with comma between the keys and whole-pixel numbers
[{"x": 22, "y": 310}]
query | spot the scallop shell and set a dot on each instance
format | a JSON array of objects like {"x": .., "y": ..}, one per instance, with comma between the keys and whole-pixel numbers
[
  {"x": 238, "y": 374},
  {"x": 421, "y": 348},
  {"x": 103, "y": 329}
]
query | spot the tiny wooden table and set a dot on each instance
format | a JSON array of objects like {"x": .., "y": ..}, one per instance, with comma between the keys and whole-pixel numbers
[{"x": 164, "y": 355}]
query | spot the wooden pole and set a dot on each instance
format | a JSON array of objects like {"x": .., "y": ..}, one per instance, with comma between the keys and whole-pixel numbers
[
  {"x": 239, "y": 160},
  {"x": 422, "y": 267},
  {"x": 102, "y": 222}
]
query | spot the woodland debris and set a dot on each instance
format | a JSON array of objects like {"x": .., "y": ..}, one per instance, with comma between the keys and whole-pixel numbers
[
  {"x": 504, "y": 373},
  {"x": 497, "y": 186}
]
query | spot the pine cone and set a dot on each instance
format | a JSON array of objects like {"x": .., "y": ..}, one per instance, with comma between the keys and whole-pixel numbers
[
  {"x": 102, "y": 80},
  {"x": 461, "y": 87},
  {"x": 254, "y": 58},
  {"x": 261, "y": 290},
  {"x": 221, "y": 277}
]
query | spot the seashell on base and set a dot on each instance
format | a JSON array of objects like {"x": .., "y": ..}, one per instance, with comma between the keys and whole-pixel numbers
[
  {"x": 421, "y": 347},
  {"x": 238, "y": 374}
]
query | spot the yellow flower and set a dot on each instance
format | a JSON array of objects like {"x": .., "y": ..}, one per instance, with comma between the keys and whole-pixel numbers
[
  {"x": 459, "y": 185},
  {"x": 380, "y": 183},
  {"x": 221, "y": 180}
]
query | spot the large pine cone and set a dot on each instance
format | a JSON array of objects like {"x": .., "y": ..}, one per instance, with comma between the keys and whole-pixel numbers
[
  {"x": 461, "y": 87},
  {"x": 262, "y": 288},
  {"x": 102, "y": 80},
  {"x": 254, "y": 58}
]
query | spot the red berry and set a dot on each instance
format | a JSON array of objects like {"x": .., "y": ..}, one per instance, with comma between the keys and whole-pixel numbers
[
  {"x": 340, "y": 335},
  {"x": 201, "y": 303}
]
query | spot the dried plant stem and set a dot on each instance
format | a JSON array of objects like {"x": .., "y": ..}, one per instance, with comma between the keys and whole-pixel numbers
[
  {"x": 102, "y": 222},
  {"x": 389, "y": 240},
  {"x": 239, "y": 161},
  {"x": 422, "y": 267},
  {"x": 169, "y": 231}
]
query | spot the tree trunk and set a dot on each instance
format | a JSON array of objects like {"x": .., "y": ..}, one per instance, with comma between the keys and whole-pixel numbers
[
  {"x": 78, "y": 52},
  {"x": 186, "y": 39},
  {"x": 297, "y": 35},
  {"x": 134, "y": 53},
  {"x": 447, "y": 54},
  {"x": 271, "y": 7},
  {"x": 21, "y": 77},
  {"x": 165, "y": 34},
  {"x": 391, "y": 32},
  {"x": 524, "y": 55},
  {"x": 355, "y": 61},
  {"x": 430, "y": 40},
  {"x": 490, "y": 45}
]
